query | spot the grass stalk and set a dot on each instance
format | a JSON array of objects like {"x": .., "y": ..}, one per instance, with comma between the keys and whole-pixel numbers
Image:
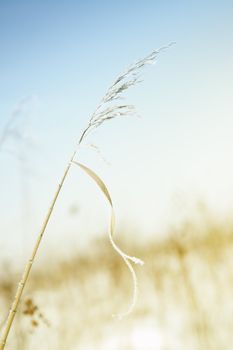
[
  {"x": 106, "y": 110},
  {"x": 30, "y": 262}
]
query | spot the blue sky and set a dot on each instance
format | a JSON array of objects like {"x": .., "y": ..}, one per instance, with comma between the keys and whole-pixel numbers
[{"x": 64, "y": 55}]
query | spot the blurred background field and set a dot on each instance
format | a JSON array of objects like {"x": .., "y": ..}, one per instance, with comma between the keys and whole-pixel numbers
[{"x": 185, "y": 295}]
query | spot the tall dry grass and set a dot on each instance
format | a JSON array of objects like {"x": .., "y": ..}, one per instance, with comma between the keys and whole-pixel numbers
[{"x": 108, "y": 108}]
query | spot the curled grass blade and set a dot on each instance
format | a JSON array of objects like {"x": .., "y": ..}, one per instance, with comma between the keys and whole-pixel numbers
[{"x": 127, "y": 258}]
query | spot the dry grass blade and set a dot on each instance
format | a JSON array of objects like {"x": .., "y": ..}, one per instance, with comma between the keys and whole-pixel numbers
[
  {"x": 97, "y": 179},
  {"x": 125, "y": 257}
]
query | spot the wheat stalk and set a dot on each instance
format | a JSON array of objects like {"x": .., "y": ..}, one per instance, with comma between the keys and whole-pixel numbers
[{"x": 106, "y": 110}]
